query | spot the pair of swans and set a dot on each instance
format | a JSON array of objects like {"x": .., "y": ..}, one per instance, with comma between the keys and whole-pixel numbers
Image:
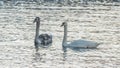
[{"x": 46, "y": 39}]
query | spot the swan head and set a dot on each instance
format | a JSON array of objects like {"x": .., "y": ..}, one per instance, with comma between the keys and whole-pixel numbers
[
  {"x": 37, "y": 19},
  {"x": 64, "y": 24}
]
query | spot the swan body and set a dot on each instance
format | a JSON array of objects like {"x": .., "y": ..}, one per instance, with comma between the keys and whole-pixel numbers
[
  {"x": 42, "y": 40},
  {"x": 45, "y": 39},
  {"x": 83, "y": 44},
  {"x": 77, "y": 43}
]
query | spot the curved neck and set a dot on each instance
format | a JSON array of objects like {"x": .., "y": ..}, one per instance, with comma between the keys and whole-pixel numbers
[
  {"x": 65, "y": 36},
  {"x": 37, "y": 29}
]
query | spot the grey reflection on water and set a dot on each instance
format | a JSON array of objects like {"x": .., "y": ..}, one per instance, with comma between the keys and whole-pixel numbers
[
  {"x": 37, "y": 57},
  {"x": 75, "y": 49},
  {"x": 64, "y": 53}
]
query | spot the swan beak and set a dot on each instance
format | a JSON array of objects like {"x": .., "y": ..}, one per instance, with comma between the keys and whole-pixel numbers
[
  {"x": 34, "y": 21},
  {"x": 62, "y": 25}
]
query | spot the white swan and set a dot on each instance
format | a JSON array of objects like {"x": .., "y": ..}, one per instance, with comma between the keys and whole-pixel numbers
[
  {"x": 77, "y": 43},
  {"x": 42, "y": 39}
]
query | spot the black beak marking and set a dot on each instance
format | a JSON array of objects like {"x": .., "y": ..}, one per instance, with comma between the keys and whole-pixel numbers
[{"x": 63, "y": 24}]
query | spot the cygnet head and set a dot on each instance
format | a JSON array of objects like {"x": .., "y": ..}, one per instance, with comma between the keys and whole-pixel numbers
[
  {"x": 64, "y": 24},
  {"x": 37, "y": 19}
]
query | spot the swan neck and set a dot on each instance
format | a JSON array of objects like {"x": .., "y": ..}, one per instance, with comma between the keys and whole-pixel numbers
[
  {"x": 65, "y": 36},
  {"x": 37, "y": 29}
]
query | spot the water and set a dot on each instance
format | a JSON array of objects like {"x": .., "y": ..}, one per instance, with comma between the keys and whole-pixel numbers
[{"x": 98, "y": 23}]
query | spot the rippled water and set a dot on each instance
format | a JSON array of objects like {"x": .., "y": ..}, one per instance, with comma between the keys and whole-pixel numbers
[{"x": 98, "y": 23}]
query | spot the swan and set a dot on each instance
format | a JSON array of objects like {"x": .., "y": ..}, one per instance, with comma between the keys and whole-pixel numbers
[
  {"x": 42, "y": 39},
  {"x": 77, "y": 43}
]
